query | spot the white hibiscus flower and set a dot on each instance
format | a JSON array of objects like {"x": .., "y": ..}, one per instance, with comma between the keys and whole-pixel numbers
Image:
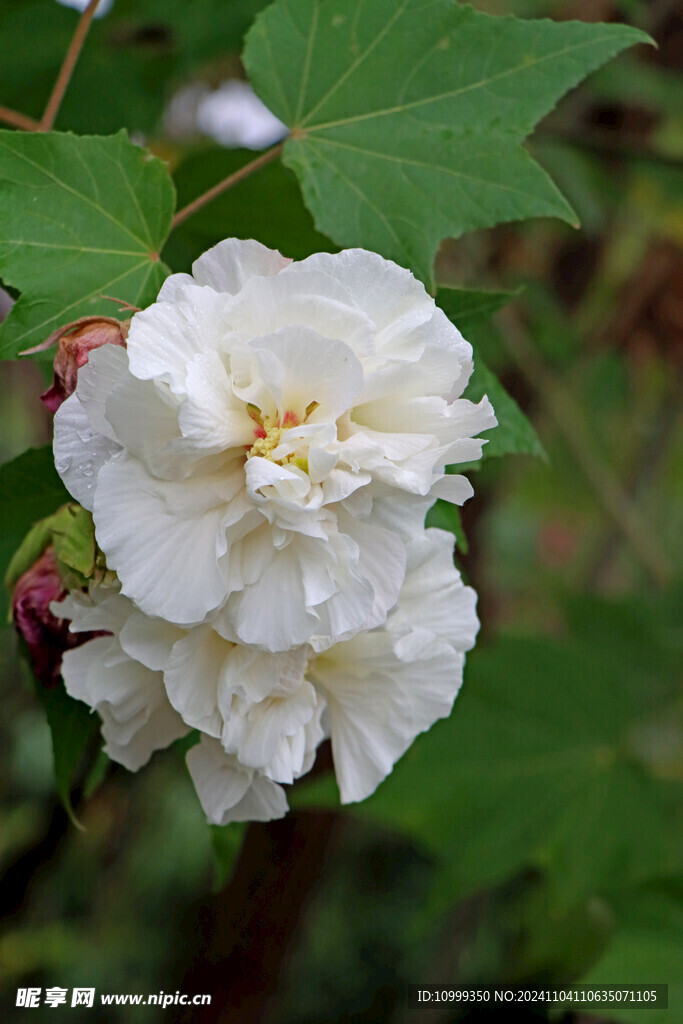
[
  {"x": 273, "y": 434},
  {"x": 373, "y": 694},
  {"x": 118, "y": 675},
  {"x": 383, "y": 688},
  {"x": 262, "y": 716}
]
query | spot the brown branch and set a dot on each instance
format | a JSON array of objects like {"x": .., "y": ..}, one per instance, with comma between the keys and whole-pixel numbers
[
  {"x": 27, "y": 124},
  {"x": 243, "y": 935},
  {"x": 227, "y": 183},
  {"x": 67, "y": 68}
]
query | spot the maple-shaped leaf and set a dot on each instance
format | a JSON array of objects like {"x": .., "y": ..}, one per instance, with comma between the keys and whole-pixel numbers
[
  {"x": 80, "y": 218},
  {"x": 407, "y": 118}
]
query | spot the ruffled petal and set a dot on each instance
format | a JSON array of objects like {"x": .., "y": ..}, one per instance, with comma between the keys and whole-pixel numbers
[
  {"x": 164, "y": 338},
  {"x": 192, "y": 675},
  {"x": 229, "y": 265},
  {"x": 211, "y": 417},
  {"x": 230, "y": 792},
  {"x": 167, "y": 564},
  {"x": 80, "y": 452},
  {"x": 272, "y": 612},
  {"x": 301, "y": 368},
  {"x": 379, "y": 702},
  {"x": 137, "y": 718},
  {"x": 254, "y": 731},
  {"x": 434, "y": 597},
  {"x": 301, "y": 296}
]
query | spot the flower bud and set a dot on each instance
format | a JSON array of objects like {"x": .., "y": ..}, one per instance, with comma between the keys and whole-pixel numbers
[
  {"x": 46, "y": 636},
  {"x": 74, "y": 343}
]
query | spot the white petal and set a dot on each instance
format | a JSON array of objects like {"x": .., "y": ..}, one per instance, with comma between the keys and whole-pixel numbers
[
  {"x": 300, "y": 296},
  {"x": 145, "y": 422},
  {"x": 137, "y": 717},
  {"x": 271, "y": 613},
  {"x": 106, "y": 366},
  {"x": 211, "y": 417},
  {"x": 418, "y": 350},
  {"x": 148, "y": 640},
  {"x": 162, "y": 727},
  {"x": 300, "y": 367},
  {"x": 228, "y": 791},
  {"x": 192, "y": 676},
  {"x": 174, "y": 286},
  {"x": 253, "y": 731},
  {"x": 453, "y": 488},
  {"x": 166, "y": 564},
  {"x": 404, "y": 514},
  {"x": 288, "y": 481},
  {"x": 255, "y": 675},
  {"x": 166, "y": 336},
  {"x": 382, "y": 561},
  {"x": 378, "y": 703},
  {"x": 229, "y": 265},
  {"x": 382, "y": 289},
  {"x": 433, "y": 597},
  {"x": 79, "y": 451},
  {"x": 100, "y": 608}
]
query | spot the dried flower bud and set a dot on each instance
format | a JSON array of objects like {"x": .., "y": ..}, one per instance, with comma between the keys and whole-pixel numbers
[
  {"x": 74, "y": 343},
  {"x": 46, "y": 636}
]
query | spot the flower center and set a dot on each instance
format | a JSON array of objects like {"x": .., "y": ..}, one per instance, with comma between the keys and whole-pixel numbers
[
  {"x": 267, "y": 440},
  {"x": 268, "y": 432}
]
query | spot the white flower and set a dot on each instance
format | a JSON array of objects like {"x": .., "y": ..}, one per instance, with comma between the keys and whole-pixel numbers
[
  {"x": 233, "y": 115},
  {"x": 385, "y": 687},
  {"x": 262, "y": 716},
  {"x": 256, "y": 703},
  {"x": 373, "y": 694},
  {"x": 269, "y": 440},
  {"x": 118, "y": 675}
]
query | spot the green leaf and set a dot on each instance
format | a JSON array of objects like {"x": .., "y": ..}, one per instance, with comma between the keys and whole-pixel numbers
[
  {"x": 73, "y": 727},
  {"x": 267, "y": 206},
  {"x": 407, "y": 117},
  {"x": 80, "y": 218},
  {"x": 469, "y": 310},
  {"x": 467, "y": 307},
  {"x": 514, "y": 434},
  {"x": 71, "y": 532},
  {"x": 73, "y": 536},
  {"x": 29, "y": 490},
  {"x": 647, "y": 949},
  {"x": 543, "y": 762}
]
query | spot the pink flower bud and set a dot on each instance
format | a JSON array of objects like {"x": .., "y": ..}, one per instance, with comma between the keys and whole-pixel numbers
[
  {"x": 46, "y": 636},
  {"x": 74, "y": 343}
]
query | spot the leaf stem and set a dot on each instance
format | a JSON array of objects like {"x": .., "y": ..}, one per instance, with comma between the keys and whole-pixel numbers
[
  {"x": 17, "y": 120},
  {"x": 67, "y": 68},
  {"x": 227, "y": 183}
]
